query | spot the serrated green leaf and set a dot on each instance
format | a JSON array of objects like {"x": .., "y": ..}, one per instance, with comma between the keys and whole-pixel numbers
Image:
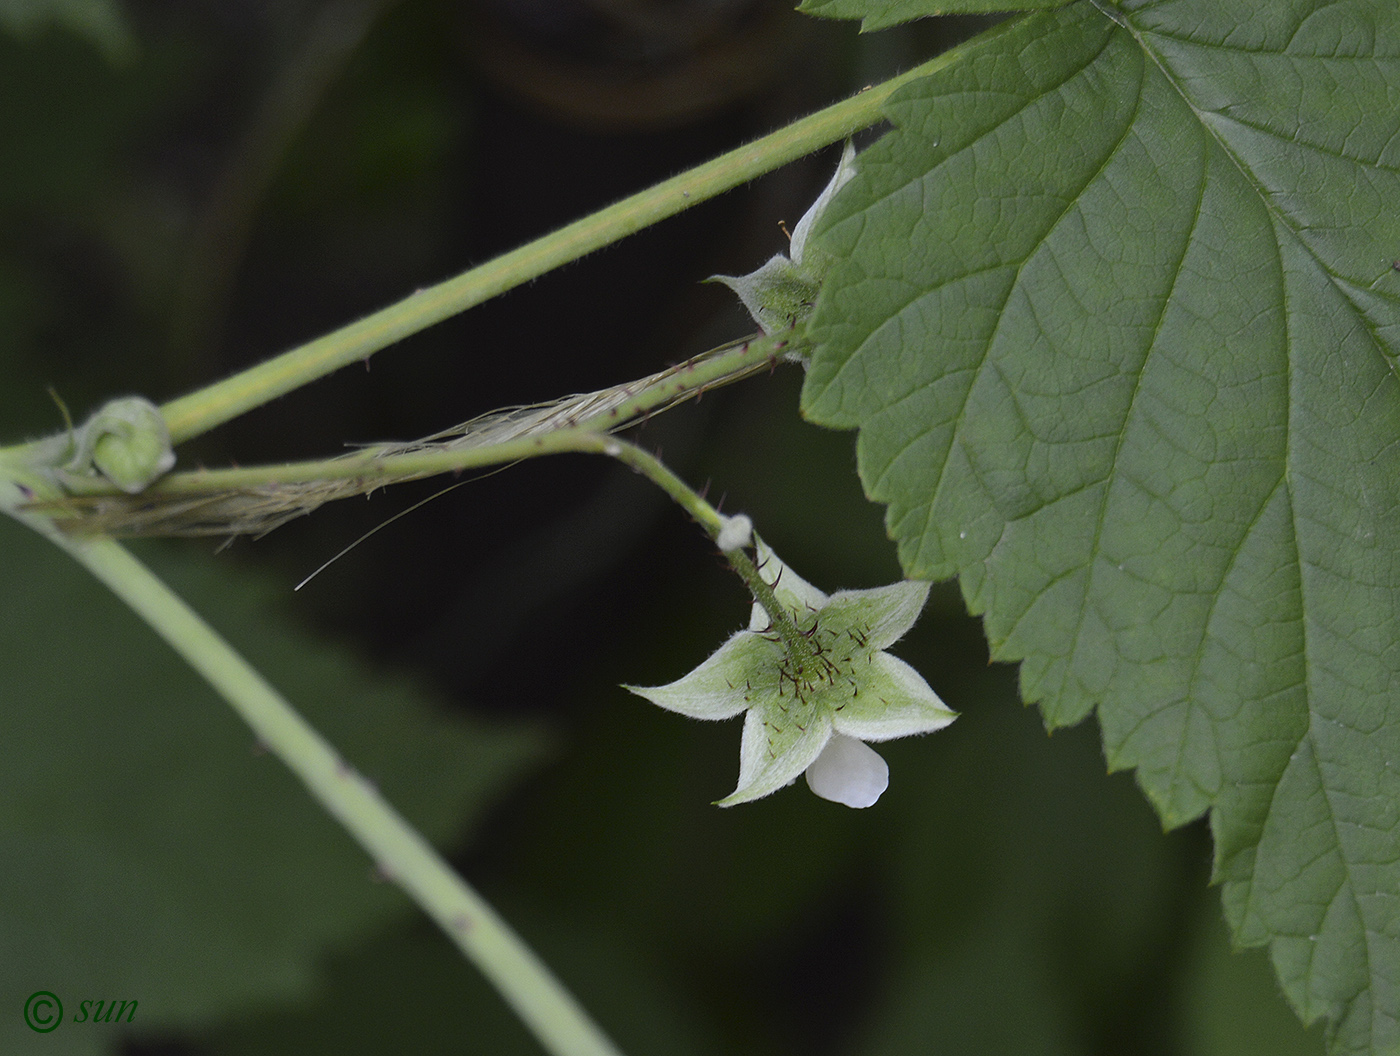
[
  {"x": 879, "y": 14},
  {"x": 150, "y": 851},
  {"x": 1117, "y": 320}
]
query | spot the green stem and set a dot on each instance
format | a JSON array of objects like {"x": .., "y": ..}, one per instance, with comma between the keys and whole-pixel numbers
[
  {"x": 215, "y": 404},
  {"x": 380, "y": 465},
  {"x": 798, "y": 645},
  {"x": 541, "y": 1001},
  {"x": 255, "y": 499}
]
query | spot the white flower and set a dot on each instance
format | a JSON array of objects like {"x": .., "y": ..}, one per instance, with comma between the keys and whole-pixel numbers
[{"x": 813, "y": 713}]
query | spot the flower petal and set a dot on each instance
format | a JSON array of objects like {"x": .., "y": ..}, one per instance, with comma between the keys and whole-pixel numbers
[
  {"x": 718, "y": 688},
  {"x": 771, "y": 755},
  {"x": 883, "y": 614},
  {"x": 792, "y": 590},
  {"x": 893, "y": 701},
  {"x": 849, "y": 771}
]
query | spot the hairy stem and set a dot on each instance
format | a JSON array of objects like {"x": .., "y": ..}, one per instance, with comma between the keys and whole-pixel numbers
[
  {"x": 798, "y": 646},
  {"x": 401, "y": 853},
  {"x": 215, "y": 404},
  {"x": 388, "y": 464},
  {"x": 256, "y": 499}
]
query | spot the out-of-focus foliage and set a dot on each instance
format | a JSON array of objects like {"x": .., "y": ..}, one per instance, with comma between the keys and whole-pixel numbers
[
  {"x": 151, "y": 851},
  {"x": 102, "y": 22},
  {"x": 1005, "y": 896}
]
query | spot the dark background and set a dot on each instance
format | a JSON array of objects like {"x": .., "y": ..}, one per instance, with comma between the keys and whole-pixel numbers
[{"x": 238, "y": 177}]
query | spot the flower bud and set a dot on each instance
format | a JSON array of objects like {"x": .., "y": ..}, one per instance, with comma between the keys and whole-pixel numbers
[{"x": 126, "y": 442}]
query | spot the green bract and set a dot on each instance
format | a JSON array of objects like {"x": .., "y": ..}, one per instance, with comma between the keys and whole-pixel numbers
[
  {"x": 814, "y": 708},
  {"x": 782, "y": 292}
]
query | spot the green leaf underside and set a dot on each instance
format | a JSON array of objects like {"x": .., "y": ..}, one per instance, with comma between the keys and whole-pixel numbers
[
  {"x": 1117, "y": 321},
  {"x": 877, "y": 14}
]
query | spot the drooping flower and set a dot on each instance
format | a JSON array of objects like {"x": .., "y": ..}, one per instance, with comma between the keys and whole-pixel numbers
[{"x": 814, "y": 712}]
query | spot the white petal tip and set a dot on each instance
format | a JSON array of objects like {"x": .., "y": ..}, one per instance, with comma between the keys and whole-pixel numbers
[{"x": 850, "y": 772}]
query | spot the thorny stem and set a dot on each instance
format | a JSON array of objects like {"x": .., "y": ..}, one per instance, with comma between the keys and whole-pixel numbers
[{"x": 798, "y": 645}]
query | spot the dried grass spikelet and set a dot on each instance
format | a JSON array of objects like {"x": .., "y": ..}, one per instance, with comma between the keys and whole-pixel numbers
[{"x": 196, "y": 504}]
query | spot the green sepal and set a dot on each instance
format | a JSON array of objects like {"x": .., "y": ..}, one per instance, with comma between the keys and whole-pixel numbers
[
  {"x": 774, "y": 751},
  {"x": 894, "y": 701},
  {"x": 711, "y": 690},
  {"x": 777, "y": 295}
]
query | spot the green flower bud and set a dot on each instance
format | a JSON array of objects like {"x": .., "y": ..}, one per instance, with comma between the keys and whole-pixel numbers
[
  {"x": 125, "y": 443},
  {"x": 782, "y": 292}
]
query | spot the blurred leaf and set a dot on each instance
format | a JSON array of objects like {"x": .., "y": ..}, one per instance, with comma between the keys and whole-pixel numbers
[
  {"x": 102, "y": 22},
  {"x": 62, "y": 128},
  {"x": 1033, "y": 899},
  {"x": 150, "y": 850},
  {"x": 1233, "y": 1006},
  {"x": 1117, "y": 322},
  {"x": 425, "y": 998}
]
